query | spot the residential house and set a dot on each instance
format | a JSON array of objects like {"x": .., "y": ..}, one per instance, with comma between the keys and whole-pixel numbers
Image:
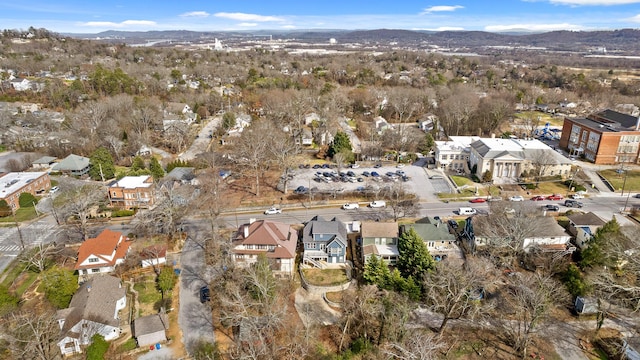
[
  {"x": 428, "y": 122},
  {"x": 380, "y": 124},
  {"x": 93, "y": 310},
  {"x": 144, "y": 151},
  {"x": 184, "y": 175},
  {"x": 21, "y": 84},
  {"x": 73, "y": 165},
  {"x": 324, "y": 241},
  {"x": 150, "y": 329},
  {"x": 508, "y": 159},
  {"x": 380, "y": 239},
  {"x": 177, "y": 108},
  {"x": 15, "y": 183},
  {"x": 583, "y": 227},
  {"x": 310, "y": 118},
  {"x": 154, "y": 255},
  {"x": 101, "y": 254},
  {"x": 435, "y": 234},
  {"x": 608, "y": 137},
  {"x": 548, "y": 235},
  {"x": 45, "y": 162},
  {"x": 453, "y": 154},
  {"x": 132, "y": 192},
  {"x": 276, "y": 240}
]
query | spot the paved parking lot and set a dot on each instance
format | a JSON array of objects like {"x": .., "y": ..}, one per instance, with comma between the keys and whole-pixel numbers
[{"x": 417, "y": 180}]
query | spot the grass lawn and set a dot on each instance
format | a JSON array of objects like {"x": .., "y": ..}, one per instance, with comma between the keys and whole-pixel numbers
[
  {"x": 127, "y": 345},
  {"x": 16, "y": 271},
  {"x": 544, "y": 118},
  {"x": 22, "y": 214},
  {"x": 148, "y": 293},
  {"x": 325, "y": 277},
  {"x": 617, "y": 180},
  {"x": 461, "y": 180}
]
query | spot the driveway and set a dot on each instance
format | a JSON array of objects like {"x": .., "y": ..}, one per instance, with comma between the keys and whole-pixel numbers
[
  {"x": 194, "y": 318},
  {"x": 201, "y": 143}
]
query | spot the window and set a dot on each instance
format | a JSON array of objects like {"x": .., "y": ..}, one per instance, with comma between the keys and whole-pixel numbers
[
  {"x": 95, "y": 270},
  {"x": 311, "y": 245},
  {"x": 93, "y": 260},
  {"x": 584, "y": 136}
]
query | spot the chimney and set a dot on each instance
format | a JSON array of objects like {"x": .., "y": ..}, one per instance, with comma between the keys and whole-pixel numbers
[{"x": 246, "y": 231}]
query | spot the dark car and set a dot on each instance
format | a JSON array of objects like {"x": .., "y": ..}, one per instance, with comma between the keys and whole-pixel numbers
[
  {"x": 453, "y": 224},
  {"x": 204, "y": 294},
  {"x": 572, "y": 203},
  {"x": 637, "y": 196},
  {"x": 551, "y": 207},
  {"x": 377, "y": 166},
  {"x": 317, "y": 166},
  {"x": 374, "y": 174},
  {"x": 351, "y": 173},
  {"x": 325, "y": 166},
  {"x": 301, "y": 190},
  {"x": 366, "y": 173}
]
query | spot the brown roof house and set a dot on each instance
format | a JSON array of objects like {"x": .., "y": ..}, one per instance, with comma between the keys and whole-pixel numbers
[
  {"x": 101, "y": 254},
  {"x": 380, "y": 239},
  {"x": 93, "y": 310},
  {"x": 584, "y": 226},
  {"x": 150, "y": 329},
  {"x": 276, "y": 240}
]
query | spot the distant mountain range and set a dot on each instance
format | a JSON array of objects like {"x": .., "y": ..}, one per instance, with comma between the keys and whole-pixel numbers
[{"x": 624, "y": 40}]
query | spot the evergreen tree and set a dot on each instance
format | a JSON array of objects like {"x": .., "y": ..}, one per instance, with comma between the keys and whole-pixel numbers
[
  {"x": 59, "y": 286},
  {"x": 5, "y": 209},
  {"x": 166, "y": 280},
  {"x": 340, "y": 144},
  {"x": 156, "y": 169},
  {"x": 138, "y": 164},
  {"x": 414, "y": 258},
  {"x": 376, "y": 271},
  {"x": 102, "y": 165}
]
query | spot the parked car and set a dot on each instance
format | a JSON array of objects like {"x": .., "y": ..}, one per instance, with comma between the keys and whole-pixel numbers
[
  {"x": 551, "y": 207},
  {"x": 375, "y": 174},
  {"x": 494, "y": 198},
  {"x": 377, "y": 204},
  {"x": 478, "y": 200},
  {"x": 555, "y": 197},
  {"x": 317, "y": 166},
  {"x": 273, "y": 211},
  {"x": 300, "y": 190},
  {"x": 350, "y": 206},
  {"x": 366, "y": 173},
  {"x": 355, "y": 166},
  {"x": 572, "y": 203},
  {"x": 453, "y": 224},
  {"x": 377, "y": 166},
  {"x": 400, "y": 165},
  {"x": 351, "y": 173},
  {"x": 577, "y": 196},
  {"x": 637, "y": 196},
  {"x": 204, "y": 294},
  {"x": 516, "y": 198},
  {"x": 537, "y": 198},
  {"x": 400, "y": 172},
  {"x": 54, "y": 189}
]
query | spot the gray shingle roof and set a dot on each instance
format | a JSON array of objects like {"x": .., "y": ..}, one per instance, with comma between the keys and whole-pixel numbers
[
  {"x": 589, "y": 218},
  {"x": 430, "y": 232},
  {"x": 319, "y": 225},
  {"x": 150, "y": 324},
  {"x": 72, "y": 163}
]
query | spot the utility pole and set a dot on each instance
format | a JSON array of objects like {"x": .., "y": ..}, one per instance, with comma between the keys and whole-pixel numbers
[
  {"x": 18, "y": 228},
  {"x": 101, "y": 173}
]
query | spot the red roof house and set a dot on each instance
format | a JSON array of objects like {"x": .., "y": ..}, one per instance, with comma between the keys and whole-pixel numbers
[{"x": 102, "y": 253}]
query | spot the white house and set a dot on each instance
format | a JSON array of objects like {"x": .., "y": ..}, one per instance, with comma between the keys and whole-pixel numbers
[
  {"x": 93, "y": 310},
  {"x": 101, "y": 254},
  {"x": 453, "y": 154},
  {"x": 21, "y": 84},
  {"x": 153, "y": 255}
]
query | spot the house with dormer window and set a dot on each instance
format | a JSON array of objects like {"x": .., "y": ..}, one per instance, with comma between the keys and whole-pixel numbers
[
  {"x": 324, "y": 241},
  {"x": 101, "y": 254}
]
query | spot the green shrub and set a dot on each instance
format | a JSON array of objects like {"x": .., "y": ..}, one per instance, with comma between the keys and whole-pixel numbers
[
  {"x": 122, "y": 213},
  {"x": 27, "y": 200},
  {"x": 98, "y": 348}
]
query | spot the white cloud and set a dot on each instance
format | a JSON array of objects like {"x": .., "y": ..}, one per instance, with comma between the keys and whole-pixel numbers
[
  {"x": 634, "y": 19},
  {"x": 195, "y": 14},
  {"x": 247, "y": 17},
  {"x": 120, "y": 24},
  {"x": 288, "y": 26},
  {"x": 532, "y": 27},
  {"x": 441, "y": 8},
  {"x": 593, "y": 2},
  {"x": 245, "y": 24}
]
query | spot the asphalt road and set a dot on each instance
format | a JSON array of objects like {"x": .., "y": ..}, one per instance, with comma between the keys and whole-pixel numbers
[
  {"x": 41, "y": 231},
  {"x": 194, "y": 318}
]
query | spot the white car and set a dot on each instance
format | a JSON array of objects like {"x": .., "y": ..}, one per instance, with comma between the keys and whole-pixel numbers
[
  {"x": 350, "y": 206},
  {"x": 577, "y": 196},
  {"x": 54, "y": 190},
  {"x": 516, "y": 198},
  {"x": 273, "y": 211},
  {"x": 377, "y": 204}
]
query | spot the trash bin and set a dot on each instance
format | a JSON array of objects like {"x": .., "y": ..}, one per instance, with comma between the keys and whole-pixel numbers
[{"x": 158, "y": 346}]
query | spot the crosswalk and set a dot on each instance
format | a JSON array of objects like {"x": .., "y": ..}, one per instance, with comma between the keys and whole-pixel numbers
[
  {"x": 9, "y": 248},
  {"x": 32, "y": 235}
]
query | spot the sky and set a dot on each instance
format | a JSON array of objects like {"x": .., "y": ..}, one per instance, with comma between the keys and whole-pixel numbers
[{"x": 93, "y": 16}]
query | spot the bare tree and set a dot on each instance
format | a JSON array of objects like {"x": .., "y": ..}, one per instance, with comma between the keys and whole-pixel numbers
[
  {"x": 76, "y": 205},
  {"x": 171, "y": 206},
  {"x": 283, "y": 150},
  {"x": 530, "y": 297},
  {"x": 32, "y": 334},
  {"x": 252, "y": 150},
  {"x": 401, "y": 203},
  {"x": 39, "y": 257},
  {"x": 454, "y": 291},
  {"x": 542, "y": 161},
  {"x": 418, "y": 345}
]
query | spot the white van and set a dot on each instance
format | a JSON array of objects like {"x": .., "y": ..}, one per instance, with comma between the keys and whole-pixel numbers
[
  {"x": 377, "y": 204},
  {"x": 466, "y": 211}
]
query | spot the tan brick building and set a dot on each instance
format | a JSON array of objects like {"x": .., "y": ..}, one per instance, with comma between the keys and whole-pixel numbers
[
  {"x": 15, "y": 183},
  {"x": 132, "y": 192},
  {"x": 608, "y": 137}
]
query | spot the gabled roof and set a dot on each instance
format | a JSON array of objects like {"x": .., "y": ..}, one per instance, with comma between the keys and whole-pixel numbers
[
  {"x": 265, "y": 232},
  {"x": 45, "y": 160},
  {"x": 624, "y": 120},
  {"x": 153, "y": 252},
  {"x": 181, "y": 173},
  {"x": 95, "y": 300},
  {"x": 319, "y": 225},
  {"x": 133, "y": 182},
  {"x": 379, "y": 229},
  {"x": 585, "y": 219},
  {"x": 102, "y": 246},
  {"x": 150, "y": 324},
  {"x": 431, "y": 232},
  {"x": 72, "y": 163}
]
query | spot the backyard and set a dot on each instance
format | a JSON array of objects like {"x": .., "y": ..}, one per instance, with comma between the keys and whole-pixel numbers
[{"x": 325, "y": 277}]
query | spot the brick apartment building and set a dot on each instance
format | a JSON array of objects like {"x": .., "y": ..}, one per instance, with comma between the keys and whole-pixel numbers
[
  {"x": 608, "y": 137},
  {"x": 15, "y": 183},
  {"x": 131, "y": 192}
]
